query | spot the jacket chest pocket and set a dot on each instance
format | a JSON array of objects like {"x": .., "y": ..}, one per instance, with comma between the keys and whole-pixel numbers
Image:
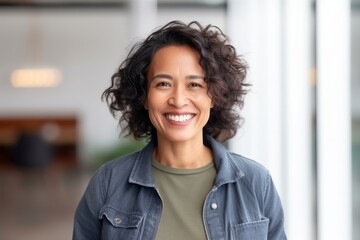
[
  {"x": 257, "y": 230},
  {"x": 118, "y": 225}
]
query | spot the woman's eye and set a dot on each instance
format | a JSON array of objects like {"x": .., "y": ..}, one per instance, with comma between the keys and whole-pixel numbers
[
  {"x": 195, "y": 85},
  {"x": 163, "y": 84}
]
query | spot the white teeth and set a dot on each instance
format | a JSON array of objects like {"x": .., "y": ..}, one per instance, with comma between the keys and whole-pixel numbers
[{"x": 179, "y": 118}]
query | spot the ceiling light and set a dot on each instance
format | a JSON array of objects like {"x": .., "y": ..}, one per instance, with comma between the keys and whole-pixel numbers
[{"x": 35, "y": 78}]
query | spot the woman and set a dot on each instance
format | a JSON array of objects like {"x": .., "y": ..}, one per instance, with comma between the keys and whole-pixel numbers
[{"x": 180, "y": 88}]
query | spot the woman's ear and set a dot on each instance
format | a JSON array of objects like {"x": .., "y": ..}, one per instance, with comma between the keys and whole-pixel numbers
[{"x": 146, "y": 105}]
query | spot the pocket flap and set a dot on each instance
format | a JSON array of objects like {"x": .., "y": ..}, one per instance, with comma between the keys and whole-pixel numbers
[
  {"x": 252, "y": 230},
  {"x": 119, "y": 219}
]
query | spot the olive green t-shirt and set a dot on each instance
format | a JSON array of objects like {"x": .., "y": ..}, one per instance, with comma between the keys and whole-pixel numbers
[{"x": 183, "y": 192}]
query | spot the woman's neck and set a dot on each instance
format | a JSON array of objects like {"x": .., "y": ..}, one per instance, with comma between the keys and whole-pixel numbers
[{"x": 182, "y": 154}]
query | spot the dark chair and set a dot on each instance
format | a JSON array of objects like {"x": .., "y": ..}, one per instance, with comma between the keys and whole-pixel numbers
[{"x": 32, "y": 151}]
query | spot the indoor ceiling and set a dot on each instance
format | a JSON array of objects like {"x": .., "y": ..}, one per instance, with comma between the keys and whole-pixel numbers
[
  {"x": 117, "y": 2},
  {"x": 27, "y": 2}
]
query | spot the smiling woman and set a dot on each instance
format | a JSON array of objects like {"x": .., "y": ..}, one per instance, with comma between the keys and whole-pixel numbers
[{"x": 180, "y": 88}]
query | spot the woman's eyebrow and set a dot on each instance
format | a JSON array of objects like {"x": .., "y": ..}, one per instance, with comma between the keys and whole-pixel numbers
[
  {"x": 190, "y": 77},
  {"x": 167, "y": 76},
  {"x": 162, "y": 75}
]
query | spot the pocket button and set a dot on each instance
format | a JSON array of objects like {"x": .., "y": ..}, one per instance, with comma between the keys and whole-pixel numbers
[{"x": 117, "y": 220}]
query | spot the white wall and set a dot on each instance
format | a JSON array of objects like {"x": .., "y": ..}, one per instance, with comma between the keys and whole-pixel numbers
[
  {"x": 86, "y": 46},
  {"x": 214, "y": 16}
]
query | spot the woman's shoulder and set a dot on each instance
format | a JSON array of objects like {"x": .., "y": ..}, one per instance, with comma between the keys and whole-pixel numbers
[
  {"x": 250, "y": 168},
  {"x": 120, "y": 163},
  {"x": 242, "y": 165},
  {"x": 246, "y": 162},
  {"x": 114, "y": 174}
]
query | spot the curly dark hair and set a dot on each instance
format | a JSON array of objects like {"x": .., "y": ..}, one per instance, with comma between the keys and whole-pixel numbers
[{"x": 225, "y": 74}]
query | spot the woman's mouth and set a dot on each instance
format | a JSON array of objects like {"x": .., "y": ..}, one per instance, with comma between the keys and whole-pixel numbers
[{"x": 179, "y": 117}]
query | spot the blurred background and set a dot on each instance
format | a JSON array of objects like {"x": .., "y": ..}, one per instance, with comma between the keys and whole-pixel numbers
[{"x": 302, "y": 116}]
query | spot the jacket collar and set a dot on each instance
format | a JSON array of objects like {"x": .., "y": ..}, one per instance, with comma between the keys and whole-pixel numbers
[{"x": 227, "y": 170}]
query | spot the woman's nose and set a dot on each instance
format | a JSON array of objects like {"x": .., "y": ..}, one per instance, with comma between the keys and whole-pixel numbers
[{"x": 179, "y": 97}]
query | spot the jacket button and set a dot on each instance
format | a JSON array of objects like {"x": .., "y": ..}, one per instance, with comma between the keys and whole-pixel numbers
[
  {"x": 213, "y": 206},
  {"x": 117, "y": 220}
]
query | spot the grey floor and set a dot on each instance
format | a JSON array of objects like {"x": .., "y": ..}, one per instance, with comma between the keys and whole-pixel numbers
[{"x": 39, "y": 205}]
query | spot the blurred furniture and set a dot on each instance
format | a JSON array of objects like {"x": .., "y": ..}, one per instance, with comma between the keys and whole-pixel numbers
[
  {"x": 38, "y": 162},
  {"x": 43, "y": 137},
  {"x": 32, "y": 151}
]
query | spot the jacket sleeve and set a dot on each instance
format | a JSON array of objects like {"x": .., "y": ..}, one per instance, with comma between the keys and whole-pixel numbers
[
  {"x": 87, "y": 225},
  {"x": 274, "y": 211}
]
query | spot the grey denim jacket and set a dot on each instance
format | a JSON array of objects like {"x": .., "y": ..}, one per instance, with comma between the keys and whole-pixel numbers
[{"x": 122, "y": 201}]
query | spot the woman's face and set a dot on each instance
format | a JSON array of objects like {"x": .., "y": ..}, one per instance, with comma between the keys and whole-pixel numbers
[{"x": 177, "y": 100}]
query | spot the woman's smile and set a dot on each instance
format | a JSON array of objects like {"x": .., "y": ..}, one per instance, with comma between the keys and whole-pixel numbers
[{"x": 179, "y": 118}]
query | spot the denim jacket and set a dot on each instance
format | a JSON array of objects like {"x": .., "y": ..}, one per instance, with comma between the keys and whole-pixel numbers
[{"x": 122, "y": 200}]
